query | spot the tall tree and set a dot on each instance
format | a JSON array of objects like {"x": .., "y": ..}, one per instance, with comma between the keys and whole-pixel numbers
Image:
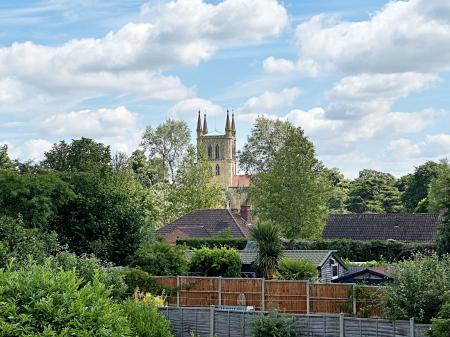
[
  {"x": 80, "y": 155},
  {"x": 169, "y": 142},
  {"x": 265, "y": 139},
  {"x": 340, "y": 189},
  {"x": 148, "y": 171},
  {"x": 5, "y": 162},
  {"x": 292, "y": 192},
  {"x": 416, "y": 186}
]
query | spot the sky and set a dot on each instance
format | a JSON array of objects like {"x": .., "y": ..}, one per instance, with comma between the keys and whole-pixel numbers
[{"x": 368, "y": 81}]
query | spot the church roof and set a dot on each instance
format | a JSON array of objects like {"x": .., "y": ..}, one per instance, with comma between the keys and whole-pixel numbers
[{"x": 215, "y": 133}]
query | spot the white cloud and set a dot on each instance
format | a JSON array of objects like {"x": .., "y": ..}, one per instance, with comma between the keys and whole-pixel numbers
[
  {"x": 91, "y": 123},
  {"x": 431, "y": 147},
  {"x": 133, "y": 58},
  {"x": 280, "y": 65},
  {"x": 404, "y": 36},
  {"x": 270, "y": 100},
  {"x": 34, "y": 149},
  {"x": 10, "y": 90},
  {"x": 313, "y": 121},
  {"x": 191, "y": 105}
]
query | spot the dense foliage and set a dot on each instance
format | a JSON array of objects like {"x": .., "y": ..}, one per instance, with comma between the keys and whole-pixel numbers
[
  {"x": 222, "y": 261},
  {"x": 272, "y": 325},
  {"x": 354, "y": 250},
  {"x": 292, "y": 192},
  {"x": 270, "y": 247},
  {"x": 441, "y": 324},
  {"x": 417, "y": 289},
  {"x": 291, "y": 269},
  {"x": 159, "y": 258},
  {"x": 238, "y": 243}
]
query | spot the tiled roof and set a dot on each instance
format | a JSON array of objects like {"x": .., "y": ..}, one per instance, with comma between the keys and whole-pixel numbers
[
  {"x": 395, "y": 226},
  {"x": 241, "y": 181},
  {"x": 207, "y": 223}
]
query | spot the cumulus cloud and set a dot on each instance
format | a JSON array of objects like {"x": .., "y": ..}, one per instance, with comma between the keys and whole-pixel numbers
[
  {"x": 33, "y": 149},
  {"x": 270, "y": 100},
  {"x": 10, "y": 90},
  {"x": 278, "y": 65},
  {"x": 132, "y": 59},
  {"x": 431, "y": 147},
  {"x": 404, "y": 36},
  {"x": 191, "y": 105}
]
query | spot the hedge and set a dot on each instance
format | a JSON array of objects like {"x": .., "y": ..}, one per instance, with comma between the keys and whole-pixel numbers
[
  {"x": 237, "y": 243},
  {"x": 365, "y": 250}
]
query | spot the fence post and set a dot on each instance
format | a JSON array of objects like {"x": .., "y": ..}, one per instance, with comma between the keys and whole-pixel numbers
[
  {"x": 211, "y": 320},
  {"x": 354, "y": 299},
  {"x": 220, "y": 291},
  {"x": 341, "y": 325},
  {"x": 263, "y": 295},
  {"x": 307, "y": 298},
  {"x": 178, "y": 291},
  {"x": 412, "y": 326}
]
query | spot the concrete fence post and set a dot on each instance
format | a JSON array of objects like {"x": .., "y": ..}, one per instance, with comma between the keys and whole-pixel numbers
[
  {"x": 308, "y": 308},
  {"x": 341, "y": 326},
  {"x": 412, "y": 326},
  {"x": 220, "y": 290},
  {"x": 211, "y": 321},
  {"x": 178, "y": 291},
  {"x": 263, "y": 295},
  {"x": 354, "y": 299}
]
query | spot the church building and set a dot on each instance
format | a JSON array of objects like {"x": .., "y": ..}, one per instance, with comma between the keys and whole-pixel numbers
[{"x": 220, "y": 149}]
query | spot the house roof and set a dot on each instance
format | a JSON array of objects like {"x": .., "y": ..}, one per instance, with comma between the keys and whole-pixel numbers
[
  {"x": 241, "y": 181},
  {"x": 362, "y": 273},
  {"x": 394, "y": 226},
  {"x": 207, "y": 223}
]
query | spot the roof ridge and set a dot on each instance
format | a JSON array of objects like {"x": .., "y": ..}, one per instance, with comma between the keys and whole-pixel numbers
[{"x": 237, "y": 222}]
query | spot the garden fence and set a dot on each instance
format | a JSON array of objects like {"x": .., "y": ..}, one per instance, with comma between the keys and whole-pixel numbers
[
  {"x": 207, "y": 322},
  {"x": 284, "y": 296}
]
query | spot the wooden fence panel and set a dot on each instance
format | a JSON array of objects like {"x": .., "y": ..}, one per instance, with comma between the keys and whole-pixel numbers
[
  {"x": 168, "y": 282},
  {"x": 286, "y": 296},
  {"x": 198, "y": 291},
  {"x": 331, "y": 298},
  {"x": 249, "y": 291}
]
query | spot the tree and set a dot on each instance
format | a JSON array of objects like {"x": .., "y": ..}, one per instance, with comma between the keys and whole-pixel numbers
[
  {"x": 169, "y": 142},
  {"x": 193, "y": 188},
  {"x": 148, "y": 171},
  {"x": 439, "y": 201},
  {"x": 270, "y": 247},
  {"x": 265, "y": 139},
  {"x": 440, "y": 326},
  {"x": 5, "y": 162},
  {"x": 340, "y": 189},
  {"x": 292, "y": 192},
  {"x": 80, "y": 155},
  {"x": 416, "y": 185}
]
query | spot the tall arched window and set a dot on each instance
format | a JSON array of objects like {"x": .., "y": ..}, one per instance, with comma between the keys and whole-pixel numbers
[
  {"x": 217, "y": 152},
  {"x": 210, "y": 153},
  {"x": 217, "y": 170}
]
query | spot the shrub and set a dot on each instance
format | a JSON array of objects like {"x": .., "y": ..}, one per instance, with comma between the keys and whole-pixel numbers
[
  {"x": 417, "y": 288},
  {"x": 139, "y": 279},
  {"x": 221, "y": 261},
  {"x": 270, "y": 247},
  {"x": 145, "y": 320},
  {"x": 290, "y": 269},
  {"x": 158, "y": 258},
  {"x": 195, "y": 243},
  {"x": 273, "y": 326},
  {"x": 440, "y": 326},
  {"x": 39, "y": 301},
  {"x": 354, "y": 250}
]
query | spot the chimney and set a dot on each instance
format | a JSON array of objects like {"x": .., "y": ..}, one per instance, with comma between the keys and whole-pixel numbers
[{"x": 246, "y": 213}]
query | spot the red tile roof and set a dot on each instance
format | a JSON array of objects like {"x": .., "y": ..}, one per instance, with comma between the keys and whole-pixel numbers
[{"x": 241, "y": 181}]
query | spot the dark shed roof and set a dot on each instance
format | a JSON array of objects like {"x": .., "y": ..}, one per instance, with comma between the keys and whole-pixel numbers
[
  {"x": 394, "y": 226},
  {"x": 207, "y": 223}
]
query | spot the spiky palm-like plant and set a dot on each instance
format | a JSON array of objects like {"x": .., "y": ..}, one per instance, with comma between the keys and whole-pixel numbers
[{"x": 270, "y": 247}]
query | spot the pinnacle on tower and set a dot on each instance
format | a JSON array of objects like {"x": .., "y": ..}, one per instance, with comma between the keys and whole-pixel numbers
[
  {"x": 233, "y": 126},
  {"x": 227, "y": 123},
  {"x": 205, "y": 126},
  {"x": 199, "y": 124}
]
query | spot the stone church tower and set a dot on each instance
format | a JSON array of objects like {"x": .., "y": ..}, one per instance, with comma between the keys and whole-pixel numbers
[{"x": 220, "y": 149}]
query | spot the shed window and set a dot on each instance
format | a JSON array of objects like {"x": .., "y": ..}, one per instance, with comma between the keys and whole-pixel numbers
[
  {"x": 217, "y": 152},
  {"x": 217, "y": 170},
  {"x": 334, "y": 269}
]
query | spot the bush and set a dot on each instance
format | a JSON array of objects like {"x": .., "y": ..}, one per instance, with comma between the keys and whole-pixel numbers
[
  {"x": 440, "y": 326},
  {"x": 354, "y": 250},
  {"x": 290, "y": 269},
  {"x": 273, "y": 326},
  {"x": 39, "y": 301},
  {"x": 196, "y": 243},
  {"x": 417, "y": 288},
  {"x": 145, "y": 320},
  {"x": 160, "y": 259},
  {"x": 221, "y": 261},
  {"x": 139, "y": 279}
]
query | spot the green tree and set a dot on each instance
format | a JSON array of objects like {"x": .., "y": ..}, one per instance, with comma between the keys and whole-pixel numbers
[
  {"x": 270, "y": 247},
  {"x": 340, "y": 189},
  {"x": 5, "y": 162},
  {"x": 439, "y": 201},
  {"x": 292, "y": 192},
  {"x": 193, "y": 188},
  {"x": 441, "y": 324},
  {"x": 80, "y": 155},
  {"x": 265, "y": 139},
  {"x": 217, "y": 261},
  {"x": 159, "y": 258},
  {"x": 416, "y": 185},
  {"x": 148, "y": 171},
  {"x": 168, "y": 142}
]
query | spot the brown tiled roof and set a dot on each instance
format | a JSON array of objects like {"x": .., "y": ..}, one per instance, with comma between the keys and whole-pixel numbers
[
  {"x": 207, "y": 223},
  {"x": 241, "y": 181},
  {"x": 395, "y": 226}
]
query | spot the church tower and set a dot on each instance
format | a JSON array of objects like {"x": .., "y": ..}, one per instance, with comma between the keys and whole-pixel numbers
[{"x": 220, "y": 149}]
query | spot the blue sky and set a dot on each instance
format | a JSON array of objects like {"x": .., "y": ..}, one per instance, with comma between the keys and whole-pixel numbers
[{"x": 367, "y": 80}]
